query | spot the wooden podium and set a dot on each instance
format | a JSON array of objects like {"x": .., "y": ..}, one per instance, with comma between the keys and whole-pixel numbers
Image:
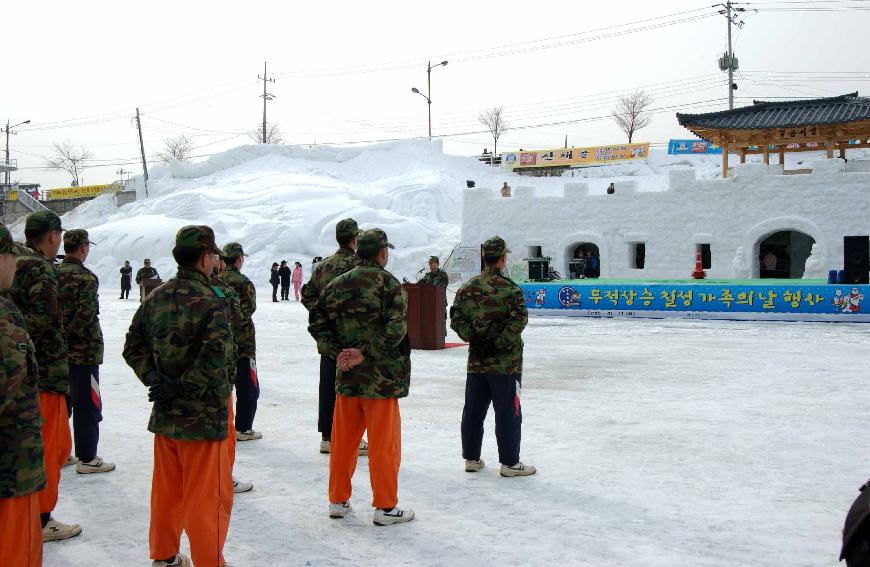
[
  {"x": 427, "y": 325},
  {"x": 146, "y": 286}
]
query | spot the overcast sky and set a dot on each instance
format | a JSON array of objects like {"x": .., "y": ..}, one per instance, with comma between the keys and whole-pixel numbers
[{"x": 344, "y": 70}]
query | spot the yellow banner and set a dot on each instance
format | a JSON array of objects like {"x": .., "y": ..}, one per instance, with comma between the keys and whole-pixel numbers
[
  {"x": 77, "y": 192},
  {"x": 575, "y": 157},
  {"x": 13, "y": 195}
]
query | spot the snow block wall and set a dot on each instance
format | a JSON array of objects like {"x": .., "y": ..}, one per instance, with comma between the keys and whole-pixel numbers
[{"x": 732, "y": 215}]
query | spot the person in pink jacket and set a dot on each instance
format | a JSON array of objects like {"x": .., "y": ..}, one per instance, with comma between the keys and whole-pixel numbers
[{"x": 297, "y": 279}]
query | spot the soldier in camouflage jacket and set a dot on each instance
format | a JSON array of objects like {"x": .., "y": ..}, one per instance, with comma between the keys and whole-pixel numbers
[
  {"x": 22, "y": 471},
  {"x": 35, "y": 292},
  {"x": 246, "y": 380},
  {"x": 435, "y": 275},
  {"x": 344, "y": 260},
  {"x": 178, "y": 345},
  {"x": 489, "y": 312},
  {"x": 80, "y": 305},
  {"x": 361, "y": 320}
]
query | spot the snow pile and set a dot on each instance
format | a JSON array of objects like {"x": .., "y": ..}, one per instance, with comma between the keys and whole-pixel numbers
[{"x": 282, "y": 202}]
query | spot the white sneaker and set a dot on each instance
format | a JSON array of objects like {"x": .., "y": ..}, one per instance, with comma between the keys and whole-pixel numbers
[
  {"x": 338, "y": 509},
  {"x": 97, "y": 465},
  {"x": 71, "y": 460},
  {"x": 394, "y": 516},
  {"x": 363, "y": 448},
  {"x": 54, "y": 530},
  {"x": 472, "y": 465},
  {"x": 249, "y": 435},
  {"x": 325, "y": 446},
  {"x": 177, "y": 561},
  {"x": 518, "y": 469},
  {"x": 241, "y": 486}
]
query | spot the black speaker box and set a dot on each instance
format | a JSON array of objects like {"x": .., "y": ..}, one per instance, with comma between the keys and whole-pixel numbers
[
  {"x": 856, "y": 259},
  {"x": 539, "y": 270}
]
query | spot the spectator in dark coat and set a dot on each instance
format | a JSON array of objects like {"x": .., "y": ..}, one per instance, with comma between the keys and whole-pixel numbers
[
  {"x": 126, "y": 283},
  {"x": 285, "y": 274},
  {"x": 274, "y": 279}
]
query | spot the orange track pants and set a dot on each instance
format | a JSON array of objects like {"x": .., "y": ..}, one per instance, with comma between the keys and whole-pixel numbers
[
  {"x": 57, "y": 439},
  {"x": 191, "y": 490},
  {"x": 231, "y": 431},
  {"x": 351, "y": 419},
  {"x": 21, "y": 535}
]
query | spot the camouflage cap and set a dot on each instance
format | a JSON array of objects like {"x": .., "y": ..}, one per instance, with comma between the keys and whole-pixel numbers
[
  {"x": 77, "y": 236},
  {"x": 371, "y": 241},
  {"x": 346, "y": 228},
  {"x": 434, "y": 259},
  {"x": 7, "y": 245},
  {"x": 194, "y": 236},
  {"x": 147, "y": 260},
  {"x": 42, "y": 221},
  {"x": 233, "y": 250},
  {"x": 495, "y": 247}
]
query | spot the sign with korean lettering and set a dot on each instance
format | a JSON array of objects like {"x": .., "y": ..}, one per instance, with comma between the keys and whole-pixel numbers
[
  {"x": 679, "y": 147},
  {"x": 788, "y": 302},
  {"x": 575, "y": 157},
  {"x": 77, "y": 192}
]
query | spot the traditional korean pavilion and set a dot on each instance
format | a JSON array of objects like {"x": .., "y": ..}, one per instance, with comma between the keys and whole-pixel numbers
[{"x": 808, "y": 125}]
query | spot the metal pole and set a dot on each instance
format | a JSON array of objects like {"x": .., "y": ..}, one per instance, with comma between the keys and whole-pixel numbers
[
  {"x": 429, "y": 92},
  {"x": 142, "y": 149},
  {"x": 264, "y": 101},
  {"x": 7, "y": 153},
  {"x": 730, "y": 60}
]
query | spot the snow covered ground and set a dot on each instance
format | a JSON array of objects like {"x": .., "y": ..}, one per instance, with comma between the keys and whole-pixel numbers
[{"x": 658, "y": 443}]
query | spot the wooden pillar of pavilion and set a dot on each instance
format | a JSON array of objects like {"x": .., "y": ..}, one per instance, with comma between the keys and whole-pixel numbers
[
  {"x": 766, "y": 153},
  {"x": 843, "y": 150},
  {"x": 725, "y": 161},
  {"x": 829, "y": 147},
  {"x": 742, "y": 155}
]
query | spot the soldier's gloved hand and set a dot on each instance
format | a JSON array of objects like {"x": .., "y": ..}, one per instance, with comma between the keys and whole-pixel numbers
[
  {"x": 482, "y": 347},
  {"x": 162, "y": 388}
]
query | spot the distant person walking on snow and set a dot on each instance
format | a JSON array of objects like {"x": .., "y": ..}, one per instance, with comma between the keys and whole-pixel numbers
[
  {"x": 284, "y": 273},
  {"x": 126, "y": 277},
  {"x": 275, "y": 280},
  {"x": 297, "y": 279}
]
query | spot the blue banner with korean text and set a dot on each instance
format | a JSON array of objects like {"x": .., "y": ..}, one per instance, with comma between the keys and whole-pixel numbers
[
  {"x": 679, "y": 147},
  {"x": 783, "y": 302}
]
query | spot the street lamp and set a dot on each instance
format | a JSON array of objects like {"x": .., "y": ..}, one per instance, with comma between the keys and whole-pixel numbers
[
  {"x": 8, "y": 128},
  {"x": 428, "y": 96}
]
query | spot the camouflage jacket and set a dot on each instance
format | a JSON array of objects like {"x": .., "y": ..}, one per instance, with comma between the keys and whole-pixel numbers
[
  {"x": 145, "y": 273},
  {"x": 236, "y": 319},
  {"x": 21, "y": 456},
  {"x": 182, "y": 330},
  {"x": 366, "y": 308},
  {"x": 344, "y": 260},
  {"x": 35, "y": 292},
  {"x": 80, "y": 305},
  {"x": 438, "y": 278},
  {"x": 247, "y": 297},
  {"x": 489, "y": 312}
]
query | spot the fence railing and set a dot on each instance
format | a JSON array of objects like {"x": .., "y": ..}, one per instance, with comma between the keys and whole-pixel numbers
[{"x": 25, "y": 199}]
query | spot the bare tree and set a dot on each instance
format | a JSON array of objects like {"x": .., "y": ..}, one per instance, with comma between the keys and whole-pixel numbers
[
  {"x": 494, "y": 121},
  {"x": 177, "y": 149},
  {"x": 69, "y": 159},
  {"x": 631, "y": 113},
  {"x": 273, "y": 135}
]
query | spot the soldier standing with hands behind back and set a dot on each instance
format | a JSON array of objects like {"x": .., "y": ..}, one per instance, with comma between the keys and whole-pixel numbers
[
  {"x": 489, "y": 312},
  {"x": 179, "y": 344},
  {"x": 22, "y": 469},
  {"x": 361, "y": 321},
  {"x": 80, "y": 305}
]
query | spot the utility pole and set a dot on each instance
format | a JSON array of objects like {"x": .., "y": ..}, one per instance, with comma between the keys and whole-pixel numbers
[
  {"x": 8, "y": 130},
  {"x": 728, "y": 62},
  {"x": 265, "y": 96},
  {"x": 142, "y": 150},
  {"x": 428, "y": 95}
]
